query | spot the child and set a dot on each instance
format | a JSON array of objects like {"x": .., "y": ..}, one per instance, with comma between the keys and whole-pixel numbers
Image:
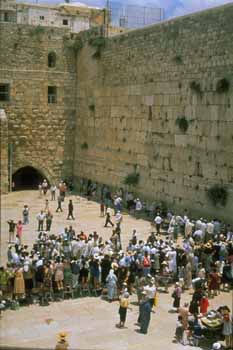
[
  {"x": 204, "y": 304},
  {"x": 124, "y": 305},
  {"x": 179, "y": 330}
]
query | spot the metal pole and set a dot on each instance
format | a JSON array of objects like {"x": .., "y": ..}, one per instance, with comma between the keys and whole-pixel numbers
[{"x": 10, "y": 166}]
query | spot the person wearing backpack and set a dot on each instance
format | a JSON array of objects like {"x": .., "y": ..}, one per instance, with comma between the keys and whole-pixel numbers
[{"x": 146, "y": 264}]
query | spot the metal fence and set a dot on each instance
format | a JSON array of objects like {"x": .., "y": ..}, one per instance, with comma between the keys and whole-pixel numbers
[{"x": 133, "y": 16}]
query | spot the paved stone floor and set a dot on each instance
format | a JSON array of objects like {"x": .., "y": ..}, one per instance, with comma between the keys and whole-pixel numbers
[{"x": 89, "y": 322}]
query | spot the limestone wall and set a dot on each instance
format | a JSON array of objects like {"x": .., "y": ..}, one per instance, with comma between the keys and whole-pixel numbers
[
  {"x": 41, "y": 133},
  {"x": 130, "y": 101},
  {"x": 3, "y": 153}
]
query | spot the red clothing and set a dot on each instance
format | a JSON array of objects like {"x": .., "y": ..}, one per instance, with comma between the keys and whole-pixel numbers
[
  {"x": 204, "y": 304},
  {"x": 19, "y": 230}
]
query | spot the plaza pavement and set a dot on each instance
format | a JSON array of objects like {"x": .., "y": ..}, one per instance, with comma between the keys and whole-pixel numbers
[{"x": 90, "y": 321}]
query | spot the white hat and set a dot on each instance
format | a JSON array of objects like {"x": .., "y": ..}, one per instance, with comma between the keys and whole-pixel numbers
[{"x": 216, "y": 346}]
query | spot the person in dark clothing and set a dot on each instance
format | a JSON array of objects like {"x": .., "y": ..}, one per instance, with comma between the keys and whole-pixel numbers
[
  {"x": 144, "y": 315},
  {"x": 108, "y": 218},
  {"x": 105, "y": 268},
  {"x": 12, "y": 226},
  {"x": 70, "y": 210},
  {"x": 59, "y": 200}
]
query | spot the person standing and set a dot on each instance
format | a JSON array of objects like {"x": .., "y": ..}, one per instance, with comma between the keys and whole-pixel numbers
[
  {"x": 19, "y": 230},
  {"x": 145, "y": 313},
  {"x": 111, "y": 285},
  {"x": 108, "y": 218},
  {"x": 25, "y": 215},
  {"x": 49, "y": 218},
  {"x": 53, "y": 189},
  {"x": 176, "y": 295},
  {"x": 158, "y": 221},
  {"x": 40, "y": 217},
  {"x": 124, "y": 305},
  {"x": 12, "y": 225},
  {"x": 70, "y": 210}
]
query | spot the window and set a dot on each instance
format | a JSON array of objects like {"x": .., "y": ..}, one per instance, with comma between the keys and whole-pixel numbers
[
  {"x": 65, "y": 22},
  {"x": 52, "y": 94},
  {"x": 6, "y": 17},
  {"x": 41, "y": 18},
  {"x": 4, "y": 92},
  {"x": 51, "y": 59}
]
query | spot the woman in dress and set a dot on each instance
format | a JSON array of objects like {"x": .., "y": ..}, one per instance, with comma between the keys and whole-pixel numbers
[
  {"x": 19, "y": 230},
  {"x": 176, "y": 295},
  {"x": 19, "y": 285},
  {"x": 59, "y": 273},
  {"x": 111, "y": 285}
]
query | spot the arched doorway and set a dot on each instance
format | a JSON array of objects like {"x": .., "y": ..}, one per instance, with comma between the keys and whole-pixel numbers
[{"x": 27, "y": 178}]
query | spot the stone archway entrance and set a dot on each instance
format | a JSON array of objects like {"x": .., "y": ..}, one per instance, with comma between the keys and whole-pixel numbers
[{"x": 27, "y": 178}]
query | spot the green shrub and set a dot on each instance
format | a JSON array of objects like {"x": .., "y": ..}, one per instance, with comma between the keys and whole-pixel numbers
[
  {"x": 195, "y": 86},
  {"x": 177, "y": 59},
  {"x": 84, "y": 145},
  {"x": 98, "y": 43},
  {"x": 222, "y": 86},
  {"x": 92, "y": 107},
  {"x": 218, "y": 194},
  {"x": 132, "y": 179},
  {"x": 37, "y": 31},
  {"x": 183, "y": 123},
  {"x": 74, "y": 45}
]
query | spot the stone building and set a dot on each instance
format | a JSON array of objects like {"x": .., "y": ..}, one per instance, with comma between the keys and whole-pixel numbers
[
  {"x": 75, "y": 16},
  {"x": 155, "y": 104},
  {"x": 7, "y": 10}
]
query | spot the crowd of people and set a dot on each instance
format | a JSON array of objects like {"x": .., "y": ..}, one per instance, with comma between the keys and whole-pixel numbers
[{"x": 189, "y": 254}]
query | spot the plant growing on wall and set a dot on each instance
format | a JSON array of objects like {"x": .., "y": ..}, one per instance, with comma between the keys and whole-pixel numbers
[
  {"x": 177, "y": 59},
  {"x": 92, "y": 107},
  {"x": 222, "y": 86},
  {"x": 194, "y": 86},
  {"x": 183, "y": 123},
  {"x": 218, "y": 194},
  {"x": 132, "y": 179},
  {"x": 98, "y": 43},
  {"x": 84, "y": 145},
  {"x": 37, "y": 31},
  {"x": 74, "y": 45}
]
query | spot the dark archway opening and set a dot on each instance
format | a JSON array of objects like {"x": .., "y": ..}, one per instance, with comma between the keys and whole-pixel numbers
[{"x": 27, "y": 178}]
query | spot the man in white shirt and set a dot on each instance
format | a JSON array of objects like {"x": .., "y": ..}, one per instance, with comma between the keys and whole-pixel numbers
[
  {"x": 41, "y": 217},
  {"x": 158, "y": 221},
  {"x": 209, "y": 231},
  {"x": 198, "y": 236}
]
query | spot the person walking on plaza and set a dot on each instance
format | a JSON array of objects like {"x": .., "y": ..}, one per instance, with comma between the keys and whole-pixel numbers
[
  {"x": 45, "y": 187},
  {"x": 40, "y": 217},
  {"x": 53, "y": 192},
  {"x": 59, "y": 200},
  {"x": 12, "y": 226},
  {"x": 70, "y": 210},
  {"x": 108, "y": 218},
  {"x": 25, "y": 215}
]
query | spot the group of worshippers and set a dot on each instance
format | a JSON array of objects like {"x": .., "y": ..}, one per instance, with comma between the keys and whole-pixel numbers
[{"x": 89, "y": 262}]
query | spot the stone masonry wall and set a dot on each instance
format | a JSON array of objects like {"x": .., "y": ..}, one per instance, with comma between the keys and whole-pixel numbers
[
  {"x": 130, "y": 101},
  {"x": 3, "y": 153},
  {"x": 41, "y": 133}
]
